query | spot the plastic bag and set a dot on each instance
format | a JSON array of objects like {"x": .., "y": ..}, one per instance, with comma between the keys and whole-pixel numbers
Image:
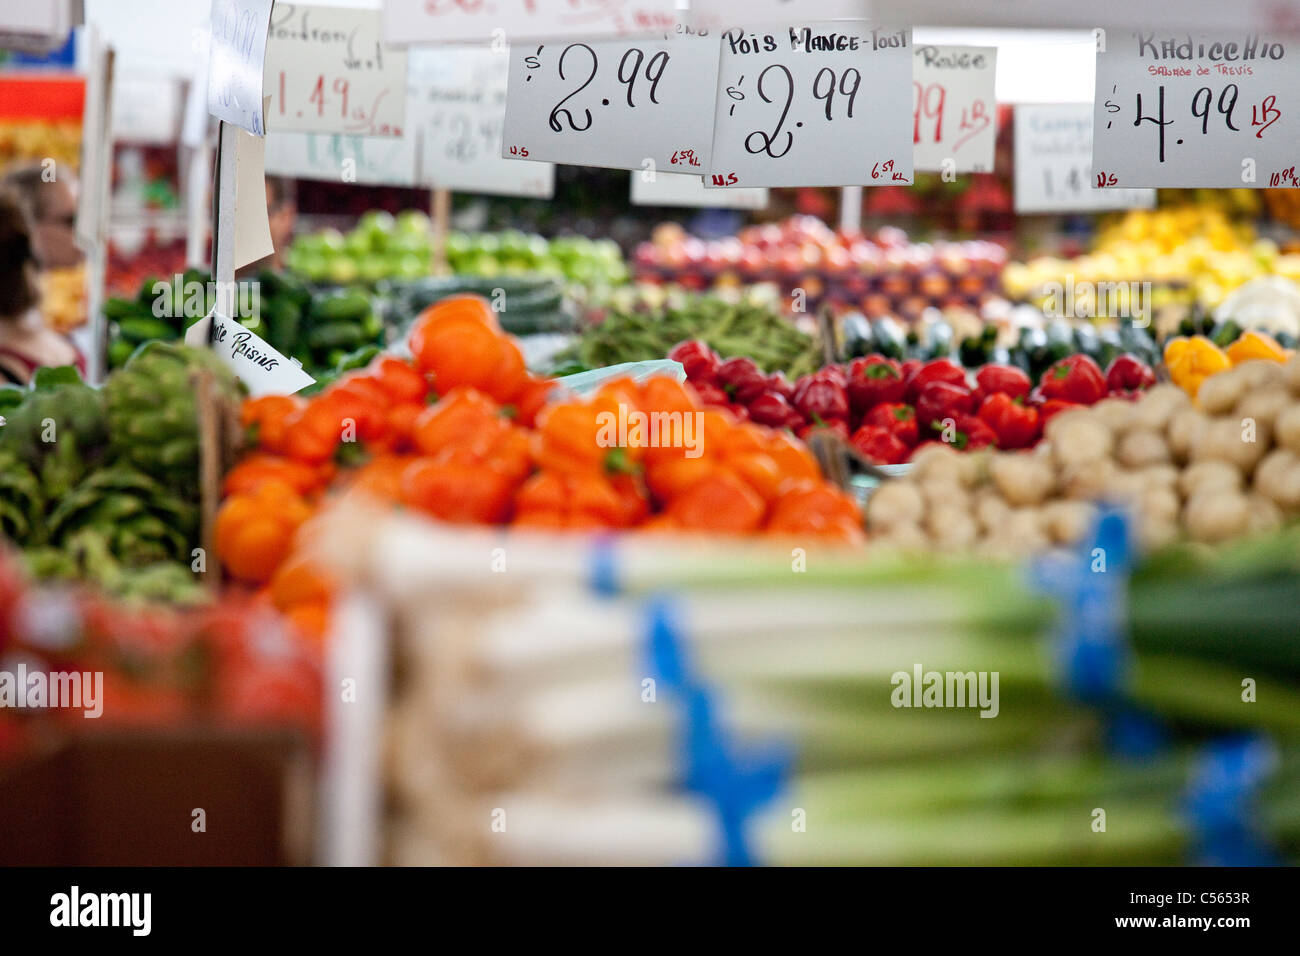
[{"x": 584, "y": 383}]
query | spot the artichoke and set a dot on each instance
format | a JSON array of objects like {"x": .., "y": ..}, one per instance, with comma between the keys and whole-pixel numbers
[{"x": 140, "y": 521}]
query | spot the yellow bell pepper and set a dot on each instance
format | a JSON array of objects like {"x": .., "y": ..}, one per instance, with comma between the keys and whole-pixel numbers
[
  {"x": 1192, "y": 361},
  {"x": 1255, "y": 345}
]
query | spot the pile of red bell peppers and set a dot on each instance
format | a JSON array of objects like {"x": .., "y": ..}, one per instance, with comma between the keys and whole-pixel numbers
[{"x": 888, "y": 408}]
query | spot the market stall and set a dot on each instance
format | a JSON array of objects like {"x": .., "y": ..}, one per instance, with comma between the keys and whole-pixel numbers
[{"x": 697, "y": 461}]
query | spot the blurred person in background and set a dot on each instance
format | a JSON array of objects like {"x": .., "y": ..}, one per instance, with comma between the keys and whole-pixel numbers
[
  {"x": 26, "y": 342},
  {"x": 50, "y": 203}
]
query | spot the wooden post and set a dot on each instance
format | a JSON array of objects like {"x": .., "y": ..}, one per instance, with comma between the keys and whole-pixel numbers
[{"x": 440, "y": 212}]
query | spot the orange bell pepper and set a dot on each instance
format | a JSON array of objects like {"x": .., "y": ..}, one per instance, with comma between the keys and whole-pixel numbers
[
  {"x": 531, "y": 399},
  {"x": 558, "y": 500},
  {"x": 816, "y": 508},
  {"x": 382, "y": 476},
  {"x": 577, "y": 437},
  {"x": 254, "y": 532},
  {"x": 267, "y": 419},
  {"x": 458, "y": 491},
  {"x": 399, "y": 379},
  {"x": 720, "y": 502},
  {"x": 462, "y": 417},
  {"x": 459, "y": 342},
  {"x": 252, "y": 471},
  {"x": 1255, "y": 345}
]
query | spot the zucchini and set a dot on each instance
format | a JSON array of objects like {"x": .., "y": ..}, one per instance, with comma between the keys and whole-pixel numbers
[
  {"x": 346, "y": 336},
  {"x": 145, "y": 330},
  {"x": 340, "y": 307}
]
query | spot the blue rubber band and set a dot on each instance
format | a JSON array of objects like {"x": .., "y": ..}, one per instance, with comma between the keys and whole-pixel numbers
[
  {"x": 1221, "y": 798},
  {"x": 604, "y": 567},
  {"x": 1091, "y": 645},
  {"x": 735, "y": 783}
]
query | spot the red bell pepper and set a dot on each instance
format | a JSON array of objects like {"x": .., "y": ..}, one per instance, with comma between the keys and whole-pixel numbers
[
  {"x": 770, "y": 408},
  {"x": 942, "y": 400},
  {"x": 874, "y": 379},
  {"x": 839, "y": 426},
  {"x": 1017, "y": 424},
  {"x": 700, "y": 361},
  {"x": 777, "y": 382},
  {"x": 972, "y": 433},
  {"x": 710, "y": 394},
  {"x": 1076, "y": 378},
  {"x": 1004, "y": 380},
  {"x": 1127, "y": 374},
  {"x": 822, "y": 396},
  {"x": 1053, "y": 407},
  {"x": 898, "y": 417},
  {"x": 742, "y": 379},
  {"x": 880, "y": 445},
  {"x": 939, "y": 370}
]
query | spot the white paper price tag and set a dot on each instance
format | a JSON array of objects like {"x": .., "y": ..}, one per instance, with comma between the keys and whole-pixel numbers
[
  {"x": 620, "y": 104},
  {"x": 328, "y": 71},
  {"x": 821, "y": 104},
  {"x": 511, "y": 21},
  {"x": 236, "y": 57},
  {"x": 953, "y": 108},
  {"x": 332, "y": 157},
  {"x": 1053, "y": 163},
  {"x": 260, "y": 367},
  {"x": 1193, "y": 110},
  {"x": 457, "y": 104},
  {"x": 678, "y": 189}
]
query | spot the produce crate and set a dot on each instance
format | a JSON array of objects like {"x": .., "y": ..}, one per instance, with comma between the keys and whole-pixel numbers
[{"x": 119, "y": 798}]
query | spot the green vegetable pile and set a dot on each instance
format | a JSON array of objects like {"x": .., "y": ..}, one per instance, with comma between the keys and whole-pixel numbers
[
  {"x": 102, "y": 484},
  {"x": 319, "y": 329},
  {"x": 524, "y": 305},
  {"x": 731, "y": 329}
]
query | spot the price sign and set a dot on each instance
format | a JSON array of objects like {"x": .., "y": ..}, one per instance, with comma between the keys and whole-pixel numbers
[
  {"x": 236, "y": 56},
  {"x": 333, "y": 157},
  {"x": 259, "y": 366},
  {"x": 822, "y": 104},
  {"x": 499, "y": 21},
  {"x": 457, "y": 104},
  {"x": 328, "y": 72},
  {"x": 678, "y": 189},
  {"x": 620, "y": 104},
  {"x": 1219, "y": 110},
  {"x": 953, "y": 108},
  {"x": 1053, "y": 163}
]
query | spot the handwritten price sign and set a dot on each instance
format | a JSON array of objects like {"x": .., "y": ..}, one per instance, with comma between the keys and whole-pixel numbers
[
  {"x": 953, "y": 108},
  {"x": 822, "y": 104},
  {"x": 1053, "y": 163},
  {"x": 334, "y": 157},
  {"x": 236, "y": 57},
  {"x": 1196, "y": 110},
  {"x": 457, "y": 103},
  {"x": 619, "y": 104},
  {"x": 328, "y": 72},
  {"x": 483, "y": 21}
]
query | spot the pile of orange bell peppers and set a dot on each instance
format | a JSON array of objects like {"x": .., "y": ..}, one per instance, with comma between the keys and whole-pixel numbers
[{"x": 463, "y": 433}]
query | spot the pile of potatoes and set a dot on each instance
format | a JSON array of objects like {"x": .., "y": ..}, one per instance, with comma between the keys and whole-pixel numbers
[{"x": 1213, "y": 469}]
